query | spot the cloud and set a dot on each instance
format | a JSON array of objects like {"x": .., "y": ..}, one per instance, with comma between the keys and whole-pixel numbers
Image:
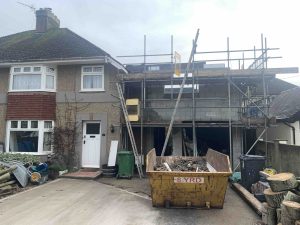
[{"x": 118, "y": 26}]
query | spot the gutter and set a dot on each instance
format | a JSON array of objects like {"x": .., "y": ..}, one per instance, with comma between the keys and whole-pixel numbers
[
  {"x": 293, "y": 130},
  {"x": 58, "y": 61},
  {"x": 68, "y": 61}
]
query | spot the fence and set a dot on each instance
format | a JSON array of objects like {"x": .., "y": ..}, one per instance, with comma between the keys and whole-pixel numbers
[{"x": 282, "y": 157}]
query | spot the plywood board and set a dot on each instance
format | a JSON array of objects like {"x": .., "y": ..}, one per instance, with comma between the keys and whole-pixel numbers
[{"x": 113, "y": 153}]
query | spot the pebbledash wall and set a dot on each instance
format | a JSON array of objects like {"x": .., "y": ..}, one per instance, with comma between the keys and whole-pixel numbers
[
  {"x": 98, "y": 106},
  {"x": 4, "y": 74},
  {"x": 48, "y": 105}
]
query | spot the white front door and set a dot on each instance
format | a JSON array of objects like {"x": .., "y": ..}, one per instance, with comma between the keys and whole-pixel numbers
[{"x": 91, "y": 144}]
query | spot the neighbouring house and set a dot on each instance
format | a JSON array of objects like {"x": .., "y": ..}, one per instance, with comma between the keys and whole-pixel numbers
[
  {"x": 42, "y": 72},
  {"x": 286, "y": 109}
]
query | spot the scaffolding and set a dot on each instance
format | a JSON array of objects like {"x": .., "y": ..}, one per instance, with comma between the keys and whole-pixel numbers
[{"x": 254, "y": 110}]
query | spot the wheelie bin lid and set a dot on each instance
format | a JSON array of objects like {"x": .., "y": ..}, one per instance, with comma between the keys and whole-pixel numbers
[{"x": 125, "y": 152}]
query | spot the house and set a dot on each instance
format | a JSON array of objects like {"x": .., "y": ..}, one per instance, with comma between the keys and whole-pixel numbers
[
  {"x": 45, "y": 71},
  {"x": 222, "y": 108},
  {"x": 42, "y": 72},
  {"x": 286, "y": 109}
]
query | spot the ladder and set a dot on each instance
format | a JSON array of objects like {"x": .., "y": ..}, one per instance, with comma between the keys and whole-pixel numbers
[{"x": 130, "y": 133}]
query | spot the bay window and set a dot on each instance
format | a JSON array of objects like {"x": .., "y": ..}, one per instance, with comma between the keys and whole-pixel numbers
[
  {"x": 32, "y": 78},
  {"x": 29, "y": 136},
  {"x": 92, "y": 78}
]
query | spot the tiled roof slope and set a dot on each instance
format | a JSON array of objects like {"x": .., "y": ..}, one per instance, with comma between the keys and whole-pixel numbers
[
  {"x": 55, "y": 44},
  {"x": 286, "y": 106}
]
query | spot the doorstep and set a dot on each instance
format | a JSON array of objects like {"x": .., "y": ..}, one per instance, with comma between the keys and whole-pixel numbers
[{"x": 84, "y": 174}]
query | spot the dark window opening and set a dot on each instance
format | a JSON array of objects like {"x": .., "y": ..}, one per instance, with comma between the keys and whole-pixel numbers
[
  {"x": 93, "y": 128},
  {"x": 216, "y": 138},
  {"x": 23, "y": 141}
]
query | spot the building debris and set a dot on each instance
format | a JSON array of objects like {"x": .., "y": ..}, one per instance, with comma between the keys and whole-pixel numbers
[{"x": 181, "y": 164}]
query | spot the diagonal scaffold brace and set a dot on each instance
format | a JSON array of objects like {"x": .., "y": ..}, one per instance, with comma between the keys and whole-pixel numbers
[{"x": 180, "y": 92}]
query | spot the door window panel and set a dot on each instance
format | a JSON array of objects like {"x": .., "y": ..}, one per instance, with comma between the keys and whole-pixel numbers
[{"x": 92, "y": 128}]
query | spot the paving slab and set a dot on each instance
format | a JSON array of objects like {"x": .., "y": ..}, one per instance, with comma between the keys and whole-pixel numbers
[
  {"x": 70, "y": 201},
  {"x": 86, "y": 174}
]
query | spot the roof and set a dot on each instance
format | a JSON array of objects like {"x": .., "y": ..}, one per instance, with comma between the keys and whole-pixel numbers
[
  {"x": 286, "y": 106},
  {"x": 55, "y": 44}
]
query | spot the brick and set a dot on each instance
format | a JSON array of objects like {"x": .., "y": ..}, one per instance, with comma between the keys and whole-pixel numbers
[{"x": 36, "y": 105}]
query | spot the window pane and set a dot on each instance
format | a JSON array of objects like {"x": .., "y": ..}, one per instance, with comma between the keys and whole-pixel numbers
[
  {"x": 17, "y": 70},
  {"x": 24, "y": 124},
  {"x": 87, "y": 69},
  {"x": 14, "y": 124},
  {"x": 36, "y": 69},
  {"x": 48, "y": 124},
  {"x": 153, "y": 68},
  {"x": 27, "y": 69},
  {"x": 92, "y": 81},
  {"x": 26, "y": 81},
  {"x": 93, "y": 128},
  {"x": 50, "y": 82},
  {"x": 47, "y": 143},
  {"x": 50, "y": 70},
  {"x": 97, "y": 69},
  {"x": 34, "y": 124},
  {"x": 23, "y": 141}
]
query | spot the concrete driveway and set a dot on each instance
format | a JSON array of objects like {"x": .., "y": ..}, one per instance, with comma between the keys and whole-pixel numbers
[{"x": 68, "y": 201}]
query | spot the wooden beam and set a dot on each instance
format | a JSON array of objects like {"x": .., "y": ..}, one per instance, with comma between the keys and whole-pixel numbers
[{"x": 250, "y": 199}]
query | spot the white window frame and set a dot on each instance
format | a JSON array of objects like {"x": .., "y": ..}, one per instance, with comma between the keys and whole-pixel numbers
[
  {"x": 43, "y": 72},
  {"x": 91, "y": 74},
  {"x": 41, "y": 130}
]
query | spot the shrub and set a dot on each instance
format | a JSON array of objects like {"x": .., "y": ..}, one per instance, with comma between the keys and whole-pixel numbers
[{"x": 24, "y": 158}]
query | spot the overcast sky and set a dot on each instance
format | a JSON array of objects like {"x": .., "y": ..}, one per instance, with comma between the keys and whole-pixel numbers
[{"x": 118, "y": 26}]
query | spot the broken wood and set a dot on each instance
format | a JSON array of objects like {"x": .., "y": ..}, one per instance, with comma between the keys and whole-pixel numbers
[
  {"x": 167, "y": 166},
  {"x": 5, "y": 177},
  {"x": 7, "y": 183},
  {"x": 254, "y": 203},
  {"x": 269, "y": 214},
  {"x": 291, "y": 196},
  {"x": 6, "y": 189},
  {"x": 282, "y": 182},
  {"x": 274, "y": 199},
  {"x": 290, "y": 209},
  {"x": 278, "y": 214},
  {"x": 8, "y": 170},
  {"x": 285, "y": 220}
]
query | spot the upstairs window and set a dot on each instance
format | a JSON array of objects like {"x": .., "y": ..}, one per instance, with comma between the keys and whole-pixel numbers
[
  {"x": 92, "y": 78},
  {"x": 32, "y": 78}
]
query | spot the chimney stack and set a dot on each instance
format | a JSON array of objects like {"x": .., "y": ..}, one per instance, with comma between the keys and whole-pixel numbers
[{"x": 45, "y": 20}]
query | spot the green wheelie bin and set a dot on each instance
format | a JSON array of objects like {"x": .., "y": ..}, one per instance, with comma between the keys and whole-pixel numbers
[{"x": 125, "y": 161}]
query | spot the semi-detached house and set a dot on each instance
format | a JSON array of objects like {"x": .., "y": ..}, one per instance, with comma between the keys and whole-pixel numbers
[{"x": 41, "y": 71}]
